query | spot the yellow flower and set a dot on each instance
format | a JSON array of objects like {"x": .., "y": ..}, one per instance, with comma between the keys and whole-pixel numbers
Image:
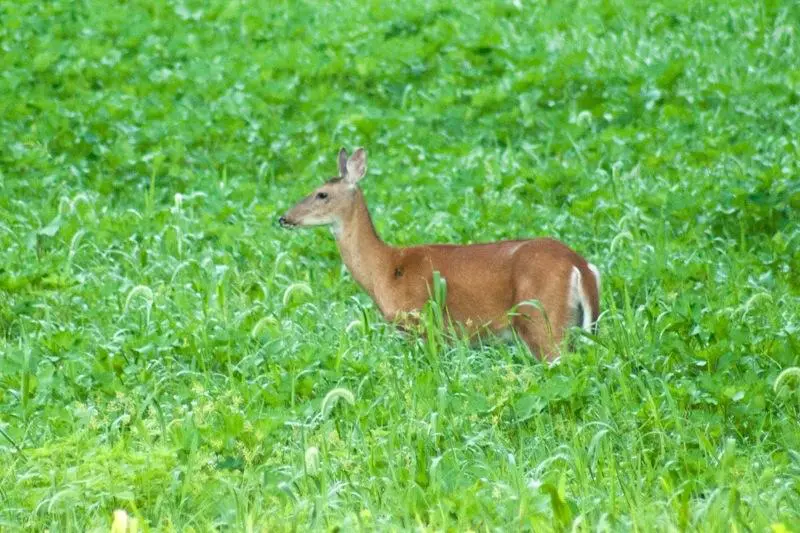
[{"x": 123, "y": 523}]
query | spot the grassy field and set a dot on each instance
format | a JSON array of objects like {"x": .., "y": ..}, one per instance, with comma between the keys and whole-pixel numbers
[{"x": 166, "y": 349}]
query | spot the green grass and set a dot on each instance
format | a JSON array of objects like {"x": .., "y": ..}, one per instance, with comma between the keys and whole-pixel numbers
[{"x": 165, "y": 348}]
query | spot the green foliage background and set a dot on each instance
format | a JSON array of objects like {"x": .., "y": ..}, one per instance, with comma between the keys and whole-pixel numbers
[{"x": 165, "y": 348}]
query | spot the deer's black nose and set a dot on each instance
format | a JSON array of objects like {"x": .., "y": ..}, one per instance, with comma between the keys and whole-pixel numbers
[{"x": 282, "y": 222}]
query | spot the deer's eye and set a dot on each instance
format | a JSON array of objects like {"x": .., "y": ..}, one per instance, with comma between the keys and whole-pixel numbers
[{"x": 322, "y": 195}]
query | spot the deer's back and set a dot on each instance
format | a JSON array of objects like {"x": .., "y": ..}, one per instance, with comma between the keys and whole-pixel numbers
[{"x": 480, "y": 278}]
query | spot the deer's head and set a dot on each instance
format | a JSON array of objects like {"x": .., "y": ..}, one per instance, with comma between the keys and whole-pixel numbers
[{"x": 334, "y": 200}]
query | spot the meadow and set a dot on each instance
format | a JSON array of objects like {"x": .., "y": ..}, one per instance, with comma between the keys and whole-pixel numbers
[{"x": 167, "y": 349}]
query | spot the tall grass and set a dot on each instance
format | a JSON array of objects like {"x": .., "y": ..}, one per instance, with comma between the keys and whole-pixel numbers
[{"x": 166, "y": 349}]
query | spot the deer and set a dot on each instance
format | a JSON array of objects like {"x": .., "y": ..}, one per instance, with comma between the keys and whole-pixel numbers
[{"x": 535, "y": 288}]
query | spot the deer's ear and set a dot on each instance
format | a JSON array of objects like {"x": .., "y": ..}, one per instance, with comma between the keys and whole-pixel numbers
[
  {"x": 342, "y": 163},
  {"x": 356, "y": 166}
]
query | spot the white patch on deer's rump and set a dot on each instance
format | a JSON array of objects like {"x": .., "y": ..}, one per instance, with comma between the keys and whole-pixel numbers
[{"x": 596, "y": 273}]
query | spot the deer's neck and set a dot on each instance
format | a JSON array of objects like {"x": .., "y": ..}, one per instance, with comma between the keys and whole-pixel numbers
[{"x": 363, "y": 252}]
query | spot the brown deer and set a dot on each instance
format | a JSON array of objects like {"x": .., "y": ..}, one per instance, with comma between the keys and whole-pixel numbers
[{"x": 536, "y": 287}]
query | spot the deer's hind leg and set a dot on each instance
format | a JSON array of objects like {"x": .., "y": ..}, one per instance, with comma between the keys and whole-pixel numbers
[
  {"x": 538, "y": 334},
  {"x": 541, "y": 317}
]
